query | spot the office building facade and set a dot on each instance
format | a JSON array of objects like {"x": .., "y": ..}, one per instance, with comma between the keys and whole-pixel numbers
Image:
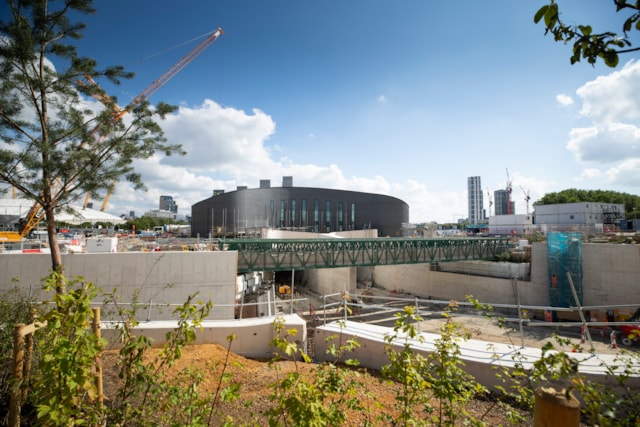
[{"x": 475, "y": 200}]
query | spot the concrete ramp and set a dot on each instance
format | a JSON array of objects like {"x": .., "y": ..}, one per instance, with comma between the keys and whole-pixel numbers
[{"x": 480, "y": 357}]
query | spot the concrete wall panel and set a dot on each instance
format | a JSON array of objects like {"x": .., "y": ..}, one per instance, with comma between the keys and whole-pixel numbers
[
  {"x": 331, "y": 280},
  {"x": 160, "y": 277},
  {"x": 610, "y": 273},
  {"x": 418, "y": 280}
]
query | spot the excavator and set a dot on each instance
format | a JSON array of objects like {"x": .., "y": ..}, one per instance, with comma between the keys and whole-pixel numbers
[{"x": 36, "y": 213}]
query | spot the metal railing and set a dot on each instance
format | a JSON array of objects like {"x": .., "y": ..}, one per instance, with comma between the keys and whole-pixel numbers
[{"x": 355, "y": 306}]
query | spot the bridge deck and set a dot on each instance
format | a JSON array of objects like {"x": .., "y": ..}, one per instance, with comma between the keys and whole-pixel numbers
[{"x": 300, "y": 254}]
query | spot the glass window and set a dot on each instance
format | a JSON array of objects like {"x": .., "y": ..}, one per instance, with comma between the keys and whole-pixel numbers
[
  {"x": 303, "y": 214},
  {"x": 340, "y": 217},
  {"x": 272, "y": 213},
  {"x": 293, "y": 213},
  {"x": 327, "y": 216},
  {"x": 282, "y": 210},
  {"x": 353, "y": 216}
]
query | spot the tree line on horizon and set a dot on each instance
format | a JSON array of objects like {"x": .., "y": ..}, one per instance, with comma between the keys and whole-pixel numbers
[{"x": 572, "y": 195}]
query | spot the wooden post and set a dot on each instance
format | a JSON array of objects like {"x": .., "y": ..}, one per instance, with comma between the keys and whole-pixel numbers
[
  {"x": 26, "y": 365},
  {"x": 18, "y": 360},
  {"x": 96, "y": 331},
  {"x": 556, "y": 408}
]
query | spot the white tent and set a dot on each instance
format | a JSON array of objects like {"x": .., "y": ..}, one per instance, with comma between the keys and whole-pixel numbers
[{"x": 13, "y": 209}]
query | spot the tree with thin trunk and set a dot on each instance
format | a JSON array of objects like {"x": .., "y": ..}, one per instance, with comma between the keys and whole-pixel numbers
[{"x": 56, "y": 142}]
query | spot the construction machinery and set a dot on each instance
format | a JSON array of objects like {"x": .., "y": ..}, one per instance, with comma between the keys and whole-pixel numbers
[
  {"x": 509, "y": 191},
  {"x": 28, "y": 223},
  {"x": 490, "y": 201},
  {"x": 527, "y": 197},
  {"x": 35, "y": 215},
  {"x": 118, "y": 113},
  {"x": 284, "y": 290}
]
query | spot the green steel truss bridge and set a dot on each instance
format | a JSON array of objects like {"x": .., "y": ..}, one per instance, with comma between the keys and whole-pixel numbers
[{"x": 301, "y": 254}]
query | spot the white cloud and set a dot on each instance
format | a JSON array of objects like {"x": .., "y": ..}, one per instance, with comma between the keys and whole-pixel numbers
[
  {"x": 614, "y": 97},
  {"x": 605, "y": 143},
  {"x": 382, "y": 99},
  {"x": 564, "y": 100},
  {"x": 590, "y": 173},
  {"x": 217, "y": 138},
  {"x": 612, "y": 140},
  {"x": 625, "y": 174}
]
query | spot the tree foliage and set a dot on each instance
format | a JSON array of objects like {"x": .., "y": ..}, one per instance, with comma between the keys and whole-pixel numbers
[
  {"x": 148, "y": 222},
  {"x": 631, "y": 202},
  {"x": 55, "y": 145},
  {"x": 586, "y": 43}
]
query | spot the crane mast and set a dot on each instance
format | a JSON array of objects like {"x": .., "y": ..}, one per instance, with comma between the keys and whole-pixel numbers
[
  {"x": 36, "y": 214},
  {"x": 171, "y": 72},
  {"x": 150, "y": 90}
]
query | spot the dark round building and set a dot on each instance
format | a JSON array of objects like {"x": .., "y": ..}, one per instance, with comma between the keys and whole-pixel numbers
[{"x": 319, "y": 210}]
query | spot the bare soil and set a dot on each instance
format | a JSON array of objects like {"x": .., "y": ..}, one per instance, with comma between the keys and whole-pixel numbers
[{"x": 257, "y": 378}]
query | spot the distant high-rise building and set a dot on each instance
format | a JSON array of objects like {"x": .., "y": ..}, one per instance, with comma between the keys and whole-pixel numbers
[
  {"x": 476, "y": 204},
  {"x": 168, "y": 204},
  {"x": 501, "y": 203}
]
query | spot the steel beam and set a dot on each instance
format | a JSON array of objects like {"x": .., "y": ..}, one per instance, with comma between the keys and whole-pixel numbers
[{"x": 301, "y": 254}]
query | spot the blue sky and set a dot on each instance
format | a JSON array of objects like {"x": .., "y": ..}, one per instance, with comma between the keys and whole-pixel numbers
[{"x": 405, "y": 98}]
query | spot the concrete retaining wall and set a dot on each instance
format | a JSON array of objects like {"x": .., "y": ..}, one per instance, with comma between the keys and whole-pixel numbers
[
  {"x": 505, "y": 270},
  {"x": 159, "y": 277},
  {"x": 610, "y": 273},
  {"x": 610, "y": 277},
  {"x": 418, "y": 280},
  {"x": 253, "y": 337},
  {"x": 331, "y": 280}
]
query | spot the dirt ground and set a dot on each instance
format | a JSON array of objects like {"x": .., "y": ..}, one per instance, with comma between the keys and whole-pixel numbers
[{"x": 256, "y": 379}]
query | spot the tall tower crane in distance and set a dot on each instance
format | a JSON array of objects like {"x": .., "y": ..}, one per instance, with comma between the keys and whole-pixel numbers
[
  {"x": 145, "y": 94},
  {"x": 527, "y": 197},
  {"x": 509, "y": 191},
  {"x": 490, "y": 200}
]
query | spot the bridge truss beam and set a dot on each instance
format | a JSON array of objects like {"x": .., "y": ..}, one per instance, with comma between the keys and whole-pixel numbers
[{"x": 301, "y": 254}]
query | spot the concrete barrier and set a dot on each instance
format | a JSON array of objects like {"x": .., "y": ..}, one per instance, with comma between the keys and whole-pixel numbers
[
  {"x": 253, "y": 336},
  {"x": 480, "y": 357}
]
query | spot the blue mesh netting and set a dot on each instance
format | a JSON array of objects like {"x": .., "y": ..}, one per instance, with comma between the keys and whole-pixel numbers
[{"x": 564, "y": 255}]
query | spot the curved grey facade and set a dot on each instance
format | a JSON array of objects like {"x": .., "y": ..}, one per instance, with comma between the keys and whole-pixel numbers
[{"x": 297, "y": 208}]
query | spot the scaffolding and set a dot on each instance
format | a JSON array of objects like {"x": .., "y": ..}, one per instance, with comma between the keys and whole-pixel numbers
[
  {"x": 564, "y": 255},
  {"x": 611, "y": 215}
]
